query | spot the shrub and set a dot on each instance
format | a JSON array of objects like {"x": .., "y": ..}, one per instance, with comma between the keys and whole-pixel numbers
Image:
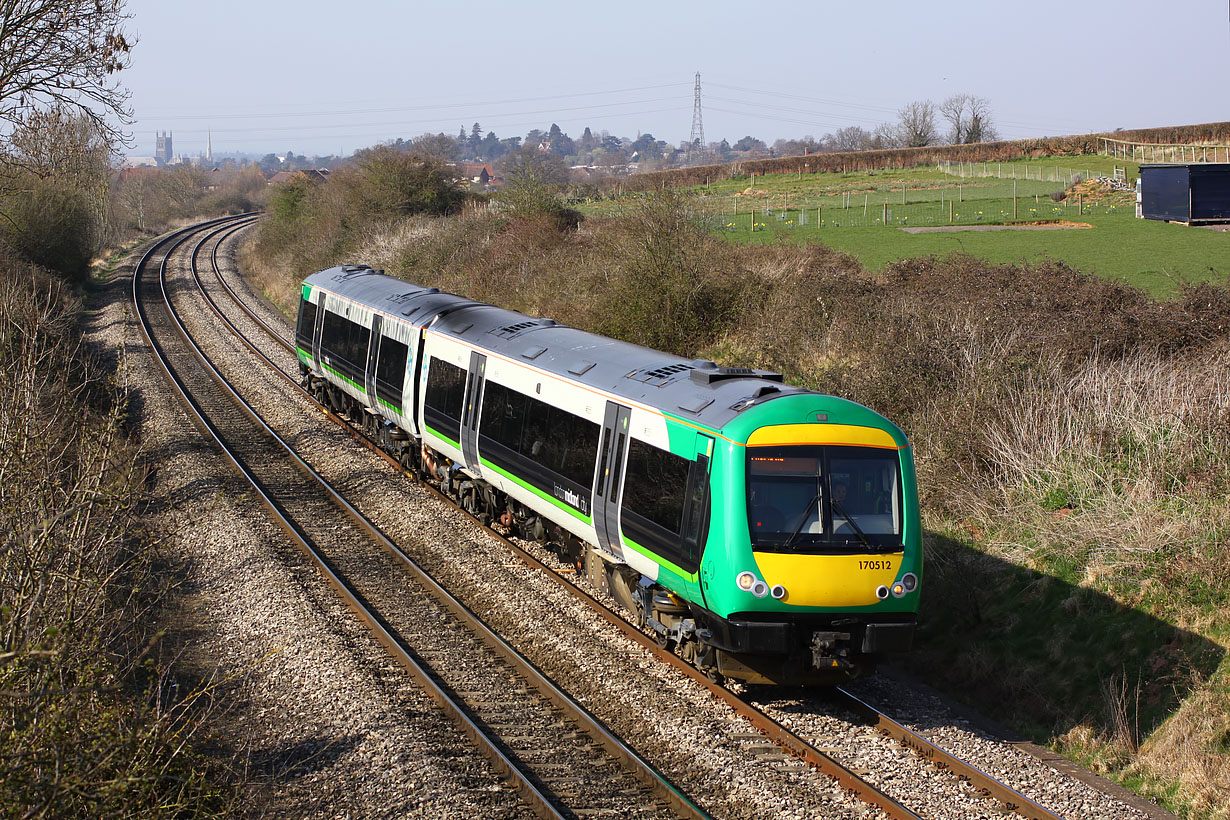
[
  {"x": 89, "y": 725},
  {"x": 52, "y": 224}
]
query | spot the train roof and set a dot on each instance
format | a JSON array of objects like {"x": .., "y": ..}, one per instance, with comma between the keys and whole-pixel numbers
[{"x": 697, "y": 390}]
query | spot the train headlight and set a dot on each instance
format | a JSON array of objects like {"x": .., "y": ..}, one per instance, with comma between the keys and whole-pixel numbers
[
  {"x": 778, "y": 591},
  {"x": 881, "y": 592},
  {"x": 745, "y": 581},
  {"x": 898, "y": 590},
  {"x": 909, "y": 581},
  {"x": 760, "y": 588}
]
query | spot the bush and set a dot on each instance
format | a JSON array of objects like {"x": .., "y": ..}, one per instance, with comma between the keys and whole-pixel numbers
[
  {"x": 89, "y": 724},
  {"x": 54, "y": 225}
]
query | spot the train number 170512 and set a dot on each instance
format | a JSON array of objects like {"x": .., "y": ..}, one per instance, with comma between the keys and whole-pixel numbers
[{"x": 875, "y": 564}]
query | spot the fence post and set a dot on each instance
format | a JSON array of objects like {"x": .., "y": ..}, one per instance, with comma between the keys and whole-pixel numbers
[
  {"x": 950, "y": 212},
  {"x": 819, "y": 208},
  {"x": 1014, "y": 199},
  {"x": 1080, "y": 205},
  {"x": 885, "y": 218},
  {"x": 865, "y": 205}
]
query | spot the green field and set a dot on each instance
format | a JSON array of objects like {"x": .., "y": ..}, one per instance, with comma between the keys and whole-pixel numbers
[{"x": 848, "y": 211}]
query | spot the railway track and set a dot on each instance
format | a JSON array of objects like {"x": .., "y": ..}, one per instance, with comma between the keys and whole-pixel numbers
[
  {"x": 793, "y": 743},
  {"x": 529, "y": 728}
]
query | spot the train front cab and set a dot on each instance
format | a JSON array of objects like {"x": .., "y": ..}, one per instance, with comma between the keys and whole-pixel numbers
[{"x": 816, "y": 574}]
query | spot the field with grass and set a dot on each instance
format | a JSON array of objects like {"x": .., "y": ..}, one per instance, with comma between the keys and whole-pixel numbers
[{"x": 863, "y": 214}]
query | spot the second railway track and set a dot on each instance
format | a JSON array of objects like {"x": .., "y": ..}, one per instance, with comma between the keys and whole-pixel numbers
[
  {"x": 532, "y": 731},
  {"x": 981, "y": 797}
]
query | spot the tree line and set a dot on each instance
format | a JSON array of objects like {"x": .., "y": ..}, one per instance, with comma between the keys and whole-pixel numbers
[{"x": 959, "y": 119}]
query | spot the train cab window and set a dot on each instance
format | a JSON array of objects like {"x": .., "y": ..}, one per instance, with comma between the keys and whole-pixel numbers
[
  {"x": 306, "y": 325},
  {"x": 654, "y": 496},
  {"x": 812, "y": 498}
]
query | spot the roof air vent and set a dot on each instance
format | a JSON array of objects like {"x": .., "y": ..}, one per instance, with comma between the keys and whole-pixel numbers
[
  {"x": 509, "y": 331},
  {"x": 717, "y": 374},
  {"x": 659, "y": 376}
]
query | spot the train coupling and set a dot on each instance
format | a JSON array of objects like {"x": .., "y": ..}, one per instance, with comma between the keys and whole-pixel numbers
[{"x": 831, "y": 650}]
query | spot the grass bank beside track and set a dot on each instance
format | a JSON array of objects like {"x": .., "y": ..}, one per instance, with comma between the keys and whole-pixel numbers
[
  {"x": 1072, "y": 435},
  {"x": 93, "y": 719}
]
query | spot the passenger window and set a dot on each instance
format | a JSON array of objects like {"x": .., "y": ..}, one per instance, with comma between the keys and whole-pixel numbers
[
  {"x": 446, "y": 384},
  {"x": 553, "y": 438},
  {"x": 391, "y": 365},
  {"x": 656, "y": 485}
]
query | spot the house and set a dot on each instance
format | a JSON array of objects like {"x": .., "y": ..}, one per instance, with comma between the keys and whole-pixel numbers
[{"x": 475, "y": 173}]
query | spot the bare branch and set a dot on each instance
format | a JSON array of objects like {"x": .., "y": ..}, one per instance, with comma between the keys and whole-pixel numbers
[{"x": 63, "y": 54}]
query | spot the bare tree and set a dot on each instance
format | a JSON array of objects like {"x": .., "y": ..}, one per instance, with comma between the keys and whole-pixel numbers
[
  {"x": 886, "y": 135},
  {"x": 55, "y": 176},
  {"x": 916, "y": 122},
  {"x": 59, "y": 143},
  {"x": 439, "y": 146},
  {"x": 981, "y": 126},
  {"x": 851, "y": 138},
  {"x": 969, "y": 118},
  {"x": 62, "y": 54}
]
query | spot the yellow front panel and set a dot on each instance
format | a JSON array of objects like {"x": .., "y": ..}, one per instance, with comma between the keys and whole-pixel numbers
[
  {"x": 778, "y": 434},
  {"x": 829, "y": 580}
]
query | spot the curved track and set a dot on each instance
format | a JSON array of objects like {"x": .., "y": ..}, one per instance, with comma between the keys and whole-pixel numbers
[
  {"x": 526, "y": 725},
  {"x": 1009, "y": 799}
]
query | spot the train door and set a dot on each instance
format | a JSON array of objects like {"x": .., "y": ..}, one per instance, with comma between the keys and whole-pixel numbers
[
  {"x": 612, "y": 446},
  {"x": 373, "y": 348},
  {"x": 317, "y": 330},
  {"x": 475, "y": 380},
  {"x": 415, "y": 386}
]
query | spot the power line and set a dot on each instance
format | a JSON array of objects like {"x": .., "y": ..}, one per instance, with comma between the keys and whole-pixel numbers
[{"x": 392, "y": 110}]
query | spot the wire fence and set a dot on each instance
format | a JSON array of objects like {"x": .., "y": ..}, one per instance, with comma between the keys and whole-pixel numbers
[
  {"x": 1164, "y": 152},
  {"x": 1011, "y": 170},
  {"x": 969, "y": 200},
  {"x": 991, "y": 206}
]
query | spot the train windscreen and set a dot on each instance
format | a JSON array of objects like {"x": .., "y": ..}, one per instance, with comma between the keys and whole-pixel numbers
[{"x": 824, "y": 498}]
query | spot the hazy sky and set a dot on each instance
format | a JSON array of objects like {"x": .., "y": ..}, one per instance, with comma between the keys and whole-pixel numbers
[{"x": 318, "y": 78}]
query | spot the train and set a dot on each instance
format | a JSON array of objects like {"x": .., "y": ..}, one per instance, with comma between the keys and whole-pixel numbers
[{"x": 767, "y": 533}]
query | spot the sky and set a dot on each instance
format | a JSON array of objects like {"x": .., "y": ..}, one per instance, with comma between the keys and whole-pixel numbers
[{"x": 315, "y": 78}]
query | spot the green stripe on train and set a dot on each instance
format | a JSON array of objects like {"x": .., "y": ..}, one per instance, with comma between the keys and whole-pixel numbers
[
  {"x": 520, "y": 482},
  {"x": 349, "y": 381},
  {"x": 658, "y": 559},
  {"x": 345, "y": 378},
  {"x": 440, "y": 435}
]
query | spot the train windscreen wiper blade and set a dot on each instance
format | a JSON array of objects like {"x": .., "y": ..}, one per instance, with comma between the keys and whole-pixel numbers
[
  {"x": 862, "y": 536},
  {"x": 815, "y": 499}
]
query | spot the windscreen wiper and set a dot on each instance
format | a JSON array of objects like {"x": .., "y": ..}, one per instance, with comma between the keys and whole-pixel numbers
[
  {"x": 862, "y": 536},
  {"x": 815, "y": 499}
]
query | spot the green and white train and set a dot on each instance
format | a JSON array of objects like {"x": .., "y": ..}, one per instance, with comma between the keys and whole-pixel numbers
[{"x": 770, "y": 533}]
